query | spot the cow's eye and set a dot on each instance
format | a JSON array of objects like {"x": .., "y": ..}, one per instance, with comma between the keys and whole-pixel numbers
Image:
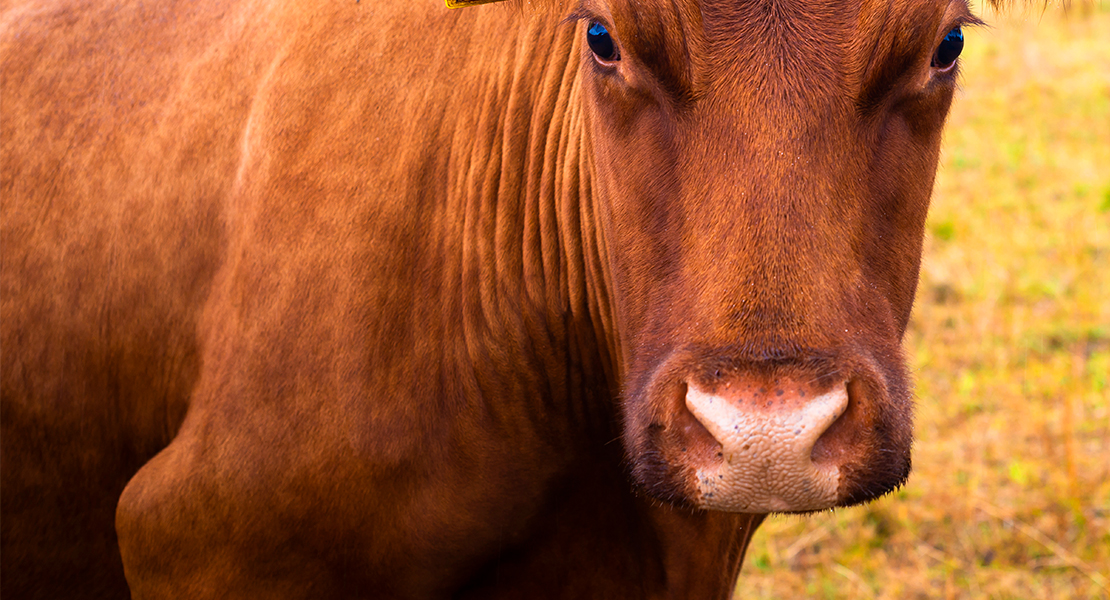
[
  {"x": 597, "y": 36},
  {"x": 949, "y": 50}
]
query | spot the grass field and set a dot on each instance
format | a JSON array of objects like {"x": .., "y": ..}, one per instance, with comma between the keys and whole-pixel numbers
[{"x": 1010, "y": 344}]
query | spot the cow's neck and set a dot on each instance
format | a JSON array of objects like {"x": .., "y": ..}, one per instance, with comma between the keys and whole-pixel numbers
[{"x": 530, "y": 250}]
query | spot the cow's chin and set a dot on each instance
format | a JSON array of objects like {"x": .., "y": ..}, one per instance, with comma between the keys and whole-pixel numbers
[{"x": 770, "y": 442}]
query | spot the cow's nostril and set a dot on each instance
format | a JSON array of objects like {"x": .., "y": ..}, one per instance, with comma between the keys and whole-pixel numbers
[
  {"x": 834, "y": 445},
  {"x": 697, "y": 443}
]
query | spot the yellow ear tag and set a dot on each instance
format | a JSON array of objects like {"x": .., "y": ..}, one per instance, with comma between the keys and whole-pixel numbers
[{"x": 466, "y": 3}]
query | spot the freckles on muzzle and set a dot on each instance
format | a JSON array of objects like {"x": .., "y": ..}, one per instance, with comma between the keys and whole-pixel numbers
[{"x": 767, "y": 437}]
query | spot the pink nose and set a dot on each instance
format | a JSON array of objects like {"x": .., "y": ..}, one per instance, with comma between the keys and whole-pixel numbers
[{"x": 767, "y": 434}]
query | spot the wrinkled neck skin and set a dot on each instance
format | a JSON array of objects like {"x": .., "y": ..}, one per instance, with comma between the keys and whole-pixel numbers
[{"x": 532, "y": 258}]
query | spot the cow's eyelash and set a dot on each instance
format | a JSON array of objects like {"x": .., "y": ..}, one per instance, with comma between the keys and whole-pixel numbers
[
  {"x": 966, "y": 20},
  {"x": 584, "y": 15},
  {"x": 578, "y": 15}
]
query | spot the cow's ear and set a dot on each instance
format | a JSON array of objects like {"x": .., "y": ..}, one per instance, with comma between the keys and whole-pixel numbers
[{"x": 466, "y": 3}]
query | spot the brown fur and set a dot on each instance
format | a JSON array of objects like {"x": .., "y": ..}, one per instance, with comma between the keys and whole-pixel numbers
[{"x": 357, "y": 299}]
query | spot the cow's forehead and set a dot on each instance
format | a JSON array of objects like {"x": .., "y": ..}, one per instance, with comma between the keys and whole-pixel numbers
[
  {"x": 740, "y": 12},
  {"x": 694, "y": 45}
]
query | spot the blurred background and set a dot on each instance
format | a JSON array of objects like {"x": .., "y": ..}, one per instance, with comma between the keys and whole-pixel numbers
[{"x": 1009, "y": 343}]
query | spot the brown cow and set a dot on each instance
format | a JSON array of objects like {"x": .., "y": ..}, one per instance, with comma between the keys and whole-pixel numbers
[{"x": 379, "y": 299}]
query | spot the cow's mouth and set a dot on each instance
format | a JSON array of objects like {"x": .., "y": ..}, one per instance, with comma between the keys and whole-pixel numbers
[{"x": 770, "y": 442}]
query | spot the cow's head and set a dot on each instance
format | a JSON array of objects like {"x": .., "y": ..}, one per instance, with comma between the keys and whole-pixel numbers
[{"x": 762, "y": 170}]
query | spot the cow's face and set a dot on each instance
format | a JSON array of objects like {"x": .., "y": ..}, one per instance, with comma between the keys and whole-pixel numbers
[{"x": 762, "y": 170}]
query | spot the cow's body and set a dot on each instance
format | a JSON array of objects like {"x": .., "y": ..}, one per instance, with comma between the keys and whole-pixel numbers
[{"x": 349, "y": 280}]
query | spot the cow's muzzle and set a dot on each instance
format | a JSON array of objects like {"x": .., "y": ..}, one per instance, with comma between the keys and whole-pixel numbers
[{"x": 772, "y": 444}]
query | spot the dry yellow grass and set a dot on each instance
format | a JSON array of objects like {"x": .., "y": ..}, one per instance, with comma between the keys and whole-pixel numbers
[{"x": 1010, "y": 343}]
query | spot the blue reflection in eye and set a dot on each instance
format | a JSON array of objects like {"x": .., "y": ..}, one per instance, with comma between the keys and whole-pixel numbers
[
  {"x": 949, "y": 49},
  {"x": 597, "y": 36}
]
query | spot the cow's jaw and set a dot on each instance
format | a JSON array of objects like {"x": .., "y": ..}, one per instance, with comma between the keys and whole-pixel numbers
[{"x": 767, "y": 436}]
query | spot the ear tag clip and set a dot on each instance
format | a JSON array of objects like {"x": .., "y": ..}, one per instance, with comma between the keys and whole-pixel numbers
[{"x": 466, "y": 3}]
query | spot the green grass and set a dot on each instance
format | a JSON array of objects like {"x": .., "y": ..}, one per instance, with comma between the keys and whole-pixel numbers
[{"x": 1010, "y": 344}]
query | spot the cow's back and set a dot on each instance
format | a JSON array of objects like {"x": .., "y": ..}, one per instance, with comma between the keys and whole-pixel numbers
[{"x": 120, "y": 130}]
